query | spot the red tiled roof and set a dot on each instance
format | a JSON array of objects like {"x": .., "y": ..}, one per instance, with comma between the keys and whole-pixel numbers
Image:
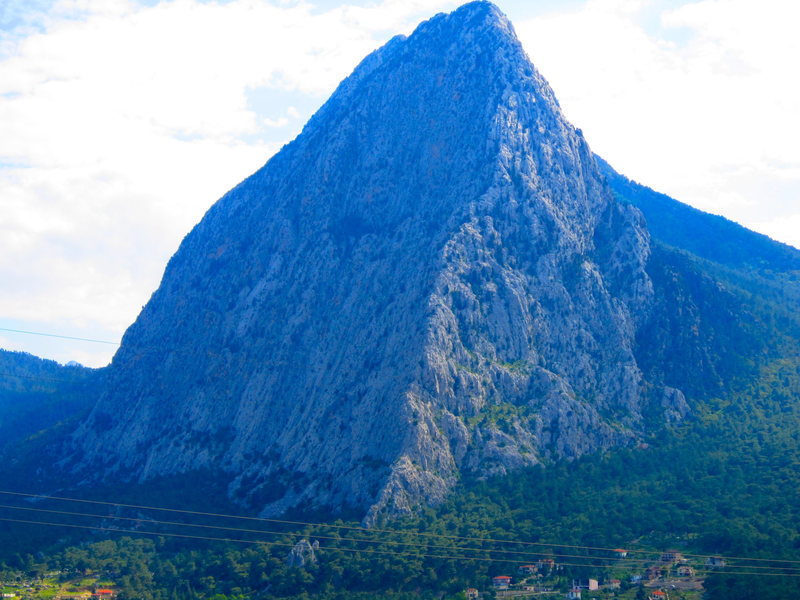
[{"x": 502, "y": 577}]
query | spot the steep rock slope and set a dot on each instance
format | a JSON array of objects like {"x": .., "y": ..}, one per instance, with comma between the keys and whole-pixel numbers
[{"x": 433, "y": 278}]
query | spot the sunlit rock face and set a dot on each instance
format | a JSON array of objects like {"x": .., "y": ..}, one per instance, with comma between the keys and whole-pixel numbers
[{"x": 432, "y": 279}]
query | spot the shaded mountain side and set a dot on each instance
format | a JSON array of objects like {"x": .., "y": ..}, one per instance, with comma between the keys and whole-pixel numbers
[
  {"x": 727, "y": 297},
  {"x": 36, "y": 394},
  {"x": 704, "y": 336}
]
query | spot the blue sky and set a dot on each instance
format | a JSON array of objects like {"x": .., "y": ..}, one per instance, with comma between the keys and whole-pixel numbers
[{"x": 122, "y": 121}]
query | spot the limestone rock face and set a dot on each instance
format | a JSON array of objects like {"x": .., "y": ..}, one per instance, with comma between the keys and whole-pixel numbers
[
  {"x": 432, "y": 279},
  {"x": 303, "y": 554}
]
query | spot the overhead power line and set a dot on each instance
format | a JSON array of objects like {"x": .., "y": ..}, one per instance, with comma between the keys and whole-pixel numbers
[
  {"x": 335, "y": 548},
  {"x": 264, "y": 542},
  {"x": 311, "y": 524},
  {"x": 360, "y": 540},
  {"x": 397, "y": 531},
  {"x": 324, "y": 537},
  {"x": 47, "y": 379},
  {"x": 63, "y": 337},
  {"x": 357, "y": 540}
]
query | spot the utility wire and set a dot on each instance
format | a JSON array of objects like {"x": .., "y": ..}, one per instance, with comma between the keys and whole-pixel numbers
[
  {"x": 323, "y": 537},
  {"x": 336, "y": 548},
  {"x": 359, "y": 540},
  {"x": 321, "y": 525},
  {"x": 265, "y": 542},
  {"x": 47, "y": 379},
  {"x": 310, "y": 524},
  {"x": 389, "y": 531},
  {"x": 63, "y": 337}
]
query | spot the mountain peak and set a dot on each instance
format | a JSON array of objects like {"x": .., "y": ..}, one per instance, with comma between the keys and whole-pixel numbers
[
  {"x": 472, "y": 16},
  {"x": 465, "y": 71},
  {"x": 433, "y": 278},
  {"x": 474, "y": 27}
]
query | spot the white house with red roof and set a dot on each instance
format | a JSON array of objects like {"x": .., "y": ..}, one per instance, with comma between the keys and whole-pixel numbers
[{"x": 501, "y": 582}]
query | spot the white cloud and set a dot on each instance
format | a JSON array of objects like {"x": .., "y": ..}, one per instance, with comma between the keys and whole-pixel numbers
[
  {"x": 121, "y": 124},
  {"x": 710, "y": 119},
  {"x": 782, "y": 228}
]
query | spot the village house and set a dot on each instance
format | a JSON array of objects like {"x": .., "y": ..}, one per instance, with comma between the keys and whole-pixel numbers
[
  {"x": 546, "y": 564},
  {"x": 620, "y": 553},
  {"x": 501, "y": 582},
  {"x": 685, "y": 571},
  {"x": 102, "y": 594},
  {"x": 614, "y": 584},
  {"x": 715, "y": 562},
  {"x": 472, "y": 594},
  {"x": 658, "y": 595},
  {"x": 528, "y": 569},
  {"x": 671, "y": 556},
  {"x": 589, "y": 584},
  {"x": 653, "y": 573},
  {"x": 574, "y": 594}
]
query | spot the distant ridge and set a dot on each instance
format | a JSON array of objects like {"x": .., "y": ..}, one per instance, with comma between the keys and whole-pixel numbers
[{"x": 708, "y": 236}]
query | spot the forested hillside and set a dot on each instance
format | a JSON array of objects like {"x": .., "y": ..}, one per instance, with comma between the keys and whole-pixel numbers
[
  {"x": 36, "y": 394},
  {"x": 722, "y": 482}
]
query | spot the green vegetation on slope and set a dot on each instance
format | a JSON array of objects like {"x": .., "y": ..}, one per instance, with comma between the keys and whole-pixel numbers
[
  {"x": 36, "y": 394},
  {"x": 707, "y": 236},
  {"x": 724, "y": 482}
]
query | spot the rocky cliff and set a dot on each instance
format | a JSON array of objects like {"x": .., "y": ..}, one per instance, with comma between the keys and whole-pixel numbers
[{"x": 433, "y": 278}]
